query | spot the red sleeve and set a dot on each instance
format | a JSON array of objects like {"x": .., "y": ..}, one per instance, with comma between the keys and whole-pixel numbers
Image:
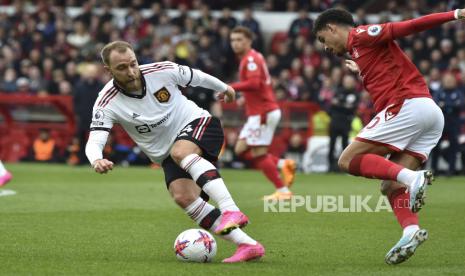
[
  {"x": 247, "y": 85},
  {"x": 405, "y": 28},
  {"x": 381, "y": 33}
]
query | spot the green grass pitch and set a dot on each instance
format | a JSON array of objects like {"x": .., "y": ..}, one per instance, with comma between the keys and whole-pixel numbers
[{"x": 71, "y": 221}]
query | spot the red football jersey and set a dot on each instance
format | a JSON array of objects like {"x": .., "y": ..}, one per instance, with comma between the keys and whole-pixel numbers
[
  {"x": 255, "y": 84},
  {"x": 387, "y": 73}
]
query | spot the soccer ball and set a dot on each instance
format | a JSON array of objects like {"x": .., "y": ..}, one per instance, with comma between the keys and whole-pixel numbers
[{"x": 195, "y": 245}]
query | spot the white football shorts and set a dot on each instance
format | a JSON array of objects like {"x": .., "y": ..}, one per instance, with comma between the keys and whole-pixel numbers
[
  {"x": 258, "y": 130},
  {"x": 414, "y": 129}
]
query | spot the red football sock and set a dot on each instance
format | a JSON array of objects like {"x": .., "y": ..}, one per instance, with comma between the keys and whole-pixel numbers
[
  {"x": 400, "y": 206},
  {"x": 268, "y": 166},
  {"x": 275, "y": 159},
  {"x": 374, "y": 166}
]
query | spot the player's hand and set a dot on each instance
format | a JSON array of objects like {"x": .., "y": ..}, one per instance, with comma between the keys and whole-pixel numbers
[
  {"x": 102, "y": 165},
  {"x": 461, "y": 14},
  {"x": 227, "y": 96},
  {"x": 353, "y": 67}
]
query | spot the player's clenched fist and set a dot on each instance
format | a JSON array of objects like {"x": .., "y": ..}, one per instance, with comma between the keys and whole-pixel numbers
[
  {"x": 227, "y": 96},
  {"x": 102, "y": 165}
]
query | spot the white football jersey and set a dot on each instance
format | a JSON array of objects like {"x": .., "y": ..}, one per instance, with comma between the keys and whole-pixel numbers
[{"x": 154, "y": 119}]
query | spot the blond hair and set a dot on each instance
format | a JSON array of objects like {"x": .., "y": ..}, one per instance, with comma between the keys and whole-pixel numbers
[{"x": 119, "y": 46}]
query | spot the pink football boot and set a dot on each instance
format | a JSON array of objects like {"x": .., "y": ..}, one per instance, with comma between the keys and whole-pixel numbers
[
  {"x": 230, "y": 221},
  {"x": 246, "y": 252},
  {"x": 5, "y": 178}
]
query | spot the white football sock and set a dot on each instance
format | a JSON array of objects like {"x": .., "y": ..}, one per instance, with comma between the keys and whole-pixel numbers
[
  {"x": 198, "y": 209},
  {"x": 216, "y": 189},
  {"x": 237, "y": 236},
  {"x": 2, "y": 169},
  {"x": 407, "y": 176},
  {"x": 283, "y": 190},
  {"x": 410, "y": 229},
  {"x": 281, "y": 163}
]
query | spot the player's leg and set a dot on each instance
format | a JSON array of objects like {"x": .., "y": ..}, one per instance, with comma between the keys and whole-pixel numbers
[
  {"x": 392, "y": 130},
  {"x": 185, "y": 193},
  {"x": 399, "y": 198},
  {"x": 5, "y": 176},
  {"x": 255, "y": 138},
  {"x": 367, "y": 159},
  {"x": 194, "y": 152}
]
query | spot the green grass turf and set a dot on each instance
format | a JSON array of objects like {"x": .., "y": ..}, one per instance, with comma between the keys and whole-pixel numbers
[{"x": 70, "y": 221}]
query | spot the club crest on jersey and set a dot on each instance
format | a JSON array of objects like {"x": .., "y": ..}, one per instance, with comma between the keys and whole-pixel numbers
[
  {"x": 162, "y": 95},
  {"x": 252, "y": 66},
  {"x": 374, "y": 30}
]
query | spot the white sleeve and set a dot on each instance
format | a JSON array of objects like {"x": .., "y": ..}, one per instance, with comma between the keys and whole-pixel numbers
[
  {"x": 200, "y": 78},
  {"x": 186, "y": 76},
  {"x": 95, "y": 144}
]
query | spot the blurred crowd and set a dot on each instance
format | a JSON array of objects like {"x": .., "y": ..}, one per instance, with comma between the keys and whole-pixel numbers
[{"x": 50, "y": 52}]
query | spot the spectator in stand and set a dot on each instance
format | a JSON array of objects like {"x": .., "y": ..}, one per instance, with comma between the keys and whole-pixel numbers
[
  {"x": 296, "y": 150},
  {"x": 72, "y": 152},
  {"x": 342, "y": 111},
  {"x": 22, "y": 86},
  {"x": 451, "y": 100},
  {"x": 8, "y": 81},
  {"x": 44, "y": 147},
  {"x": 250, "y": 22},
  {"x": 301, "y": 25},
  {"x": 227, "y": 19},
  {"x": 80, "y": 36},
  {"x": 84, "y": 99}
]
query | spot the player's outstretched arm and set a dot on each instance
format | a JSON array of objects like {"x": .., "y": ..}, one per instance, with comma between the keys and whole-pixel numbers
[
  {"x": 408, "y": 27},
  {"x": 94, "y": 148}
]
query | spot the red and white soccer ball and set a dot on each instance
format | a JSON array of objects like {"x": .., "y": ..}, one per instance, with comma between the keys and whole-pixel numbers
[{"x": 195, "y": 245}]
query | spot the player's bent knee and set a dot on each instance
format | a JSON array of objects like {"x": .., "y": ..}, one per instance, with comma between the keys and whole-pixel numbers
[
  {"x": 343, "y": 163},
  {"x": 179, "y": 153},
  {"x": 183, "y": 199}
]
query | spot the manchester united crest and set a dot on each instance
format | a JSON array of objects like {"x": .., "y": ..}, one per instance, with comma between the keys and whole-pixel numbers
[{"x": 162, "y": 95}]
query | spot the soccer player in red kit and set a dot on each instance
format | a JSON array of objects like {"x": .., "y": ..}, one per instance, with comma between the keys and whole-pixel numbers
[
  {"x": 263, "y": 115},
  {"x": 408, "y": 123}
]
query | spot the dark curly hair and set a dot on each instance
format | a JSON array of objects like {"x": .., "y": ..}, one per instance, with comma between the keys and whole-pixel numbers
[{"x": 335, "y": 16}]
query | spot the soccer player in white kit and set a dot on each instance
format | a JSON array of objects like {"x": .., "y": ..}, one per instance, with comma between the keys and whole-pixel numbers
[{"x": 174, "y": 131}]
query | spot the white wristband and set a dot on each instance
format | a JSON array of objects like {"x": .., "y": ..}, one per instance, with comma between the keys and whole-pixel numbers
[{"x": 456, "y": 14}]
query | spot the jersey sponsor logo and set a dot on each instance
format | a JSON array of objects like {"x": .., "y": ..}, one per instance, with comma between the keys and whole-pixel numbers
[
  {"x": 252, "y": 66},
  {"x": 162, "y": 95},
  {"x": 359, "y": 30},
  {"x": 99, "y": 114},
  {"x": 146, "y": 128},
  {"x": 374, "y": 30},
  {"x": 143, "y": 128}
]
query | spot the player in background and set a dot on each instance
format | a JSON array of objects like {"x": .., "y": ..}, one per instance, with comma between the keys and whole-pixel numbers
[
  {"x": 408, "y": 123},
  {"x": 5, "y": 176},
  {"x": 172, "y": 130},
  {"x": 263, "y": 115}
]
